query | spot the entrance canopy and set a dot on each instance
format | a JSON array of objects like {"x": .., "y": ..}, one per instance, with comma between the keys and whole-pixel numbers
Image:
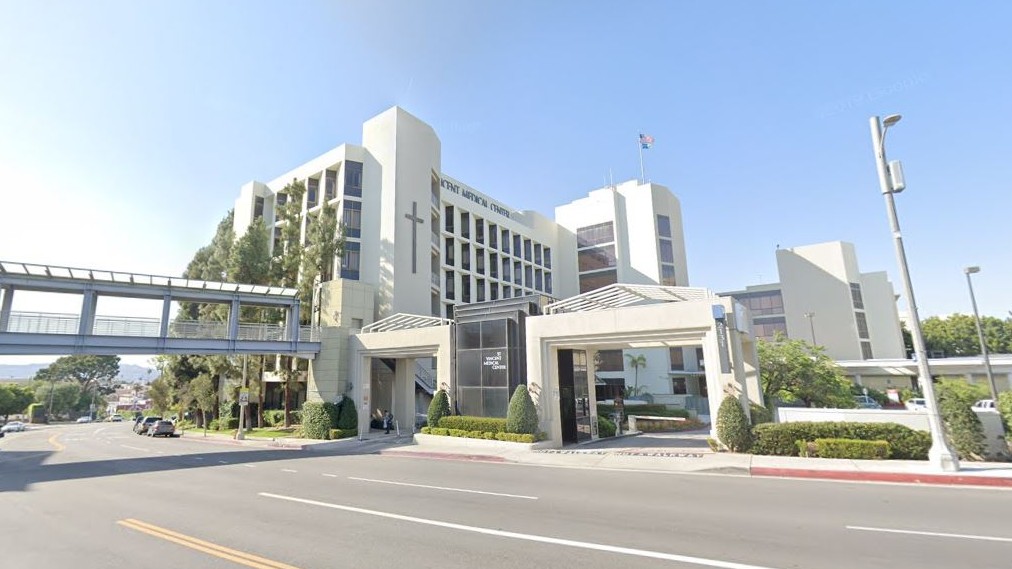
[{"x": 619, "y": 295}]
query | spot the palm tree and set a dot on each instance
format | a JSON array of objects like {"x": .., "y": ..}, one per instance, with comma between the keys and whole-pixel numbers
[{"x": 636, "y": 362}]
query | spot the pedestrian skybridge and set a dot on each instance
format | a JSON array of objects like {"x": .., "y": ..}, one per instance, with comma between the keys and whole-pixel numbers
[{"x": 42, "y": 333}]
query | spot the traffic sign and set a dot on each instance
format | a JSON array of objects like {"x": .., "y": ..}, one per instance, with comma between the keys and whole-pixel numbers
[{"x": 244, "y": 396}]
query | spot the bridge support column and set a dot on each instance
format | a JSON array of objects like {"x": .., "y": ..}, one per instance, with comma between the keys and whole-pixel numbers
[
  {"x": 293, "y": 324},
  {"x": 5, "y": 307},
  {"x": 233, "y": 320},
  {"x": 163, "y": 326},
  {"x": 86, "y": 326}
]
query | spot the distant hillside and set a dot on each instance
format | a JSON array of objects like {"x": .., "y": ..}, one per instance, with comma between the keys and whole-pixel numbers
[{"x": 127, "y": 372}]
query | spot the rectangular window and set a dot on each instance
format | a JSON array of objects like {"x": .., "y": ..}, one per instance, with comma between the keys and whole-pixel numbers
[
  {"x": 312, "y": 193},
  {"x": 493, "y": 292},
  {"x": 548, "y": 283},
  {"x": 862, "y": 325},
  {"x": 280, "y": 199},
  {"x": 505, "y": 269},
  {"x": 668, "y": 275},
  {"x": 465, "y": 288},
  {"x": 537, "y": 279},
  {"x": 448, "y": 252},
  {"x": 678, "y": 386},
  {"x": 448, "y": 290},
  {"x": 594, "y": 281},
  {"x": 465, "y": 225},
  {"x": 663, "y": 226},
  {"x": 699, "y": 359},
  {"x": 548, "y": 258},
  {"x": 448, "y": 217},
  {"x": 277, "y": 240},
  {"x": 465, "y": 256},
  {"x": 677, "y": 357},
  {"x": 506, "y": 291},
  {"x": 866, "y": 351},
  {"x": 479, "y": 230},
  {"x": 330, "y": 185},
  {"x": 505, "y": 240},
  {"x": 596, "y": 258},
  {"x": 537, "y": 253},
  {"x": 763, "y": 303},
  {"x": 768, "y": 327},
  {"x": 517, "y": 275},
  {"x": 258, "y": 208},
  {"x": 479, "y": 261},
  {"x": 667, "y": 251},
  {"x": 493, "y": 264},
  {"x": 527, "y": 250},
  {"x": 479, "y": 289},
  {"x": 595, "y": 234},
  {"x": 528, "y": 276},
  {"x": 352, "y": 218},
  {"x": 353, "y": 179},
  {"x": 350, "y": 260},
  {"x": 493, "y": 236},
  {"x": 516, "y": 245},
  {"x": 855, "y": 295},
  {"x": 610, "y": 360}
]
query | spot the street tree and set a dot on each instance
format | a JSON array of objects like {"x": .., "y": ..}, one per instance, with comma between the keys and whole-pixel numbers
[
  {"x": 93, "y": 373},
  {"x": 324, "y": 242},
  {"x": 59, "y": 397},
  {"x": 14, "y": 399},
  {"x": 636, "y": 362},
  {"x": 794, "y": 370},
  {"x": 956, "y": 335},
  {"x": 204, "y": 394}
]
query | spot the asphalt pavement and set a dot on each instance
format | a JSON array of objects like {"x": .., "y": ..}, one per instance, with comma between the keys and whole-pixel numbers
[{"x": 98, "y": 496}]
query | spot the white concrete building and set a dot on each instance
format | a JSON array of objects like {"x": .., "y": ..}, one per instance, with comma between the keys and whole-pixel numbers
[{"x": 822, "y": 297}]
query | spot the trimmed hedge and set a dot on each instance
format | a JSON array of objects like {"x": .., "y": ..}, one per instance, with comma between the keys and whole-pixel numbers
[
  {"x": 522, "y": 416},
  {"x": 963, "y": 426},
  {"x": 332, "y": 410},
  {"x": 848, "y": 449},
  {"x": 780, "y": 439},
  {"x": 342, "y": 433},
  {"x": 604, "y": 410},
  {"x": 733, "y": 428},
  {"x": 650, "y": 426},
  {"x": 1005, "y": 408},
  {"x": 438, "y": 408},
  {"x": 468, "y": 423},
  {"x": 228, "y": 423},
  {"x": 605, "y": 427},
  {"x": 759, "y": 414},
  {"x": 486, "y": 435},
  {"x": 315, "y": 420}
]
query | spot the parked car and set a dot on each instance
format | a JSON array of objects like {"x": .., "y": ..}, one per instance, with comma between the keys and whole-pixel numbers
[
  {"x": 162, "y": 428},
  {"x": 13, "y": 427},
  {"x": 985, "y": 404},
  {"x": 915, "y": 404},
  {"x": 866, "y": 402},
  {"x": 116, "y": 418},
  {"x": 85, "y": 419},
  {"x": 141, "y": 427}
]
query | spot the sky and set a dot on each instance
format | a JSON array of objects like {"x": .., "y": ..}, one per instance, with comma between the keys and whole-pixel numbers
[{"x": 127, "y": 128}]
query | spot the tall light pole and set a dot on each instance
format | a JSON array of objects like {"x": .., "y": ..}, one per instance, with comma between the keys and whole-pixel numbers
[
  {"x": 980, "y": 333},
  {"x": 811, "y": 325},
  {"x": 890, "y": 179}
]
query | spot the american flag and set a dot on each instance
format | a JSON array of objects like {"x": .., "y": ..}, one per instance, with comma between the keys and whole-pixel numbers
[{"x": 646, "y": 141}]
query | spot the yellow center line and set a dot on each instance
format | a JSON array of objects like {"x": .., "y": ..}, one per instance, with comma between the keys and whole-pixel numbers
[
  {"x": 207, "y": 547},
  {"x": 56, "y": 444}
]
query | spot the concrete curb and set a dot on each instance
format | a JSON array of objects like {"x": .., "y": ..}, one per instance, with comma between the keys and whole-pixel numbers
[
  {"x": 894, "y": 477},
  {"x": 444, "y": 455},
  {"x": 261, "y": 443}
]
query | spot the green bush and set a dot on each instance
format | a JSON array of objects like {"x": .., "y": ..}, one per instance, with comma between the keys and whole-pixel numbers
[
  {"x": 486, "y": 435},
  {"x": 759, "y": 414},
  {"x": 651, "y": 426},
  {"x": 332, "y": 411},
  {"x": 522, "y": 416},
  {"x": 274, "y": 418},
  {"x": 438, "y": 408},
  {"x": 516, "y": 437},
  {"x": 963, "y": 428},
  {"x": 780, "y": 439},
  {"x": 1005, "y": 408},
  {"x": 733, "y": 428},
  {"x": 342, "y": 433},
  {"x": 604, "y": 410},
  {"x": 212, "y": 425},
  {"x": 315, "y": 421},
  {"x": 438, "y": 431},
  {"x": 468, "y": 423},
  {"x": 851, "y": 448},
  {"x": 228, "y": 423},
  {"x": 347, "y": 415},
  {"x": 605, "y": 427}
]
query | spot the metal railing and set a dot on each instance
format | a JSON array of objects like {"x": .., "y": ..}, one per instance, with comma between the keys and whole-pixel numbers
[
  {"x": 263, "y": 332},
  {"x": 198, "y": 330},
  {"x": 423, "y": 377},
  {"x": 123, "y": 326},
  {"x": 43, "y": 323},
  {"x": 309, "y": 333}
]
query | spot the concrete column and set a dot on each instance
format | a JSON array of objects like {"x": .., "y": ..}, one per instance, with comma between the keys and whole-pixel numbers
[
  {"x": 592, "y": 391},
  {"x": 163, "y": 326},
  {"x": 233, "y": 320},
  {"x": 362, "y": 391},
  {"x": 86, "y": 326},
  {"x": 293, "y": 323},
  {"x": 858, "y": 380},
  {"x": 1009, "y": 379},
  {"x": 5, "y": 307},
  {"x": 403, "y": 404}
]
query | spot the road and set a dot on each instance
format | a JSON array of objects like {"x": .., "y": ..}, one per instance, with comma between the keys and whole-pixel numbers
[{"x": 98, "y": 496}]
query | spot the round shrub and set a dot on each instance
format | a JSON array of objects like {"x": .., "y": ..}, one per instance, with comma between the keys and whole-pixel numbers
[
  {"x": 332, "y": 410},
  {"x": 759, "y": 414},
  {"x": 605, "y": 427},
  {"x": 347, "y": 415},
  {"x": 438, "y": 408},
  {"x": 315, "y": 422},
  {"x": 733, "y": 428},
  {"x": 522, "y": 416},
  {"x": 963, "y": 428}
]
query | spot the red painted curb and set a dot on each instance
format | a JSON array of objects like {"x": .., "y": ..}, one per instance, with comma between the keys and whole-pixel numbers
[
  {"x": 445, "y": 456},
  {"x": 897, "y": 477}
]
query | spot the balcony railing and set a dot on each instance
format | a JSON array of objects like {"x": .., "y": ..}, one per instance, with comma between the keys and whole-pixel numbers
[{"x": 43, "y": 323}]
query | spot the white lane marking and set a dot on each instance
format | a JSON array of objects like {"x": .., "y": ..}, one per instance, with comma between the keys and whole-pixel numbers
[
  {"x": 528, "y": 537},
  {"x": 288, "y": 470},
  {"x": 444, "y": 488},
  {"x": 198, "y": 458},
  {"x": 97, "y": 431},
  {"x": 134, "y": 448},
  {"x": 330, "y": 475},
  {"x": 250, "y": 465},
  {"x": 222, "y": 462},
  {"x": 933, "y": 533}
]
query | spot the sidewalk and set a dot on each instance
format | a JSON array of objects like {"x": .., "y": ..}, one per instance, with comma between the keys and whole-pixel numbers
[{"x": 635, "y": 454}]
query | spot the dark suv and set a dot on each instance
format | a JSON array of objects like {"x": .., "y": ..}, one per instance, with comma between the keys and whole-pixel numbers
[{"x": 142, "y": 427}]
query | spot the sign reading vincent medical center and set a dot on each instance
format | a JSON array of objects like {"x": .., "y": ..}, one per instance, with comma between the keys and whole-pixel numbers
[{"x": 465, "y": 192}]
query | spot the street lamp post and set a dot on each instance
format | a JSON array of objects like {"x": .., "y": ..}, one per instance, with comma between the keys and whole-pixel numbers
[
  {"x": 811, "y": 325},
  {"x": 890, "y": 180},
  {"x": 980, "y": 333}
]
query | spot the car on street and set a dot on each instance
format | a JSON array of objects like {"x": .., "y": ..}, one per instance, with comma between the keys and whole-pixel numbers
[
  {"x": 866, "y": 402},
  {"x": 141, "y": 427},
  {"x": 162, "y": 428},
  {"x": 116, "y": 418},
  {"x": 13, "y": 427},
  {"x": 84, "y": 419},
  {"x": 985, "y": 404},
  {"x": 915, "y": 404}
]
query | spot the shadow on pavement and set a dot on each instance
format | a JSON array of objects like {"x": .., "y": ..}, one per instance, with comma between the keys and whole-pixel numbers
[{"x": 685, "y": 440}]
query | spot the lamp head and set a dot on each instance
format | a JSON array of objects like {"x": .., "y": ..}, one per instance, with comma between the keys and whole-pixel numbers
[
  {"x": 891, "y": 120},
  {"x": 971, "y": 270}
]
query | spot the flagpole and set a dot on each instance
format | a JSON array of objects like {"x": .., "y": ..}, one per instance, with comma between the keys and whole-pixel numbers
[{"x": 643, "y": 177}]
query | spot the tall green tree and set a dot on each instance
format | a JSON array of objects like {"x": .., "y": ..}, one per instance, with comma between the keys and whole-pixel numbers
[
  {"x": 324, "y": 242},
  {"x": 250, "y": 258},
  {"x": 205, "y": 396},
  {"x": 636, "y": 362},
  {"x": 14, "y": 399},
  {"x": 61, "y": 397},
  {"x": 288, "y": 250},
  {"x": 956, "y": 335},
  {"x": 93, "y": 373},
  {"x": 794, "y": 370}
]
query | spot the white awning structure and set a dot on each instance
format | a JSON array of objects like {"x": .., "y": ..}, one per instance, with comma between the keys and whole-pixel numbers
[
  {"x": 403, "y": 321},
  {"x": 619, "y": 295}
]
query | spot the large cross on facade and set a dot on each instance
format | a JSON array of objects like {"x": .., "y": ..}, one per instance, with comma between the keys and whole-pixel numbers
[{"x": 415, "y": 220}]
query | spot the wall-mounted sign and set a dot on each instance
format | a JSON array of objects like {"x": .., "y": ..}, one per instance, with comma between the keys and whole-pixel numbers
[
  {"x": 470, "y": 194},
  {"x": 720, "y": 320}
]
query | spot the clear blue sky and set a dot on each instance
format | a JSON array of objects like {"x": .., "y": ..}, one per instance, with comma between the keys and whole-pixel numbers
[{"x": 127, "y": 128}]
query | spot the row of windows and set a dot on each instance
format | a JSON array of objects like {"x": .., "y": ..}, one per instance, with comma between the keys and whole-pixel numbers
[
  {"x": 498, "y": 238},
  {"x": 352, "y": 187},
  {"x": 540, "y": 283},
  {"x": 862, "y": 325},
  {"x": 667, "y": 251},
  {"x": 614, "y": 360},
  {"x": 495, "y": 266},
  {"x": 595, "y": 234},
  {"x": 768, "y": 327},
  {"x": 762, "y": 303}
]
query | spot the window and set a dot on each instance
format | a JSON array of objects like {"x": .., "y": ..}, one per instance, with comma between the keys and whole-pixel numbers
[
  {"x": 449, "y": 289},
  {"x": 663, "y": 226},
  {"x": 762, "y": 303},
  {"x": 862, "y": 325},
  {"x": 866, "y": 351},
  {"x": 356, "y": 323},
  {"x": 516, "y": 244},
  {"x": 527, "y": 250},
  {"x": 537, "y": 253},
  {"x": 448, "y": 252},
  {"x": 448, "y": 217},
  {"x": 677, "y": 357},
  {"x": 855, "y": 295},
  {"x": 465, "y": 288},
  {"x": 517, "y": 275},
  {"x": 528, "y": 276},
  {"x": 258, "y": 207},
  {"x": 330, "y": 185},
  {"x": 595, "y": 234},
  {"x": 465, "y": 256},
  {"x": 667, "y": 252},
  {"x": 505, "y": 240},
  {"x": 538, "y": 279},
  {"x": 493, "y": 292},
  {"x": 479, "y": 261},
  {"x": 596, "y": 258},
  {"x": 506, "y": 291},
  {"x": 699, "y": 358},
  {"x": 548, "y": 283},
  {"x": 277, "y": 240},
  {"x": 548, "y": 257},
  {"x": 350, "y": 260},
  {"x": 493, "y": 264},
  {"x": 594, "y": 281},
  {"x": 505, "y": 269},
  {"x": 479, "y": 288},
  {"x": 353, "y": 179},
  {"x": 280, "y": 199},
  {"x": 479, "y": 230},
  {"x": 493, "y": 236},
  {"x": 610, "y": 360},
  {"x": 352, "y": 218},
  {"x": 668, "y": 275},
  {"x": 768, "y": 327},
  {"x": 465, "y": 225},
  {"x": 678, "y": 386}
]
